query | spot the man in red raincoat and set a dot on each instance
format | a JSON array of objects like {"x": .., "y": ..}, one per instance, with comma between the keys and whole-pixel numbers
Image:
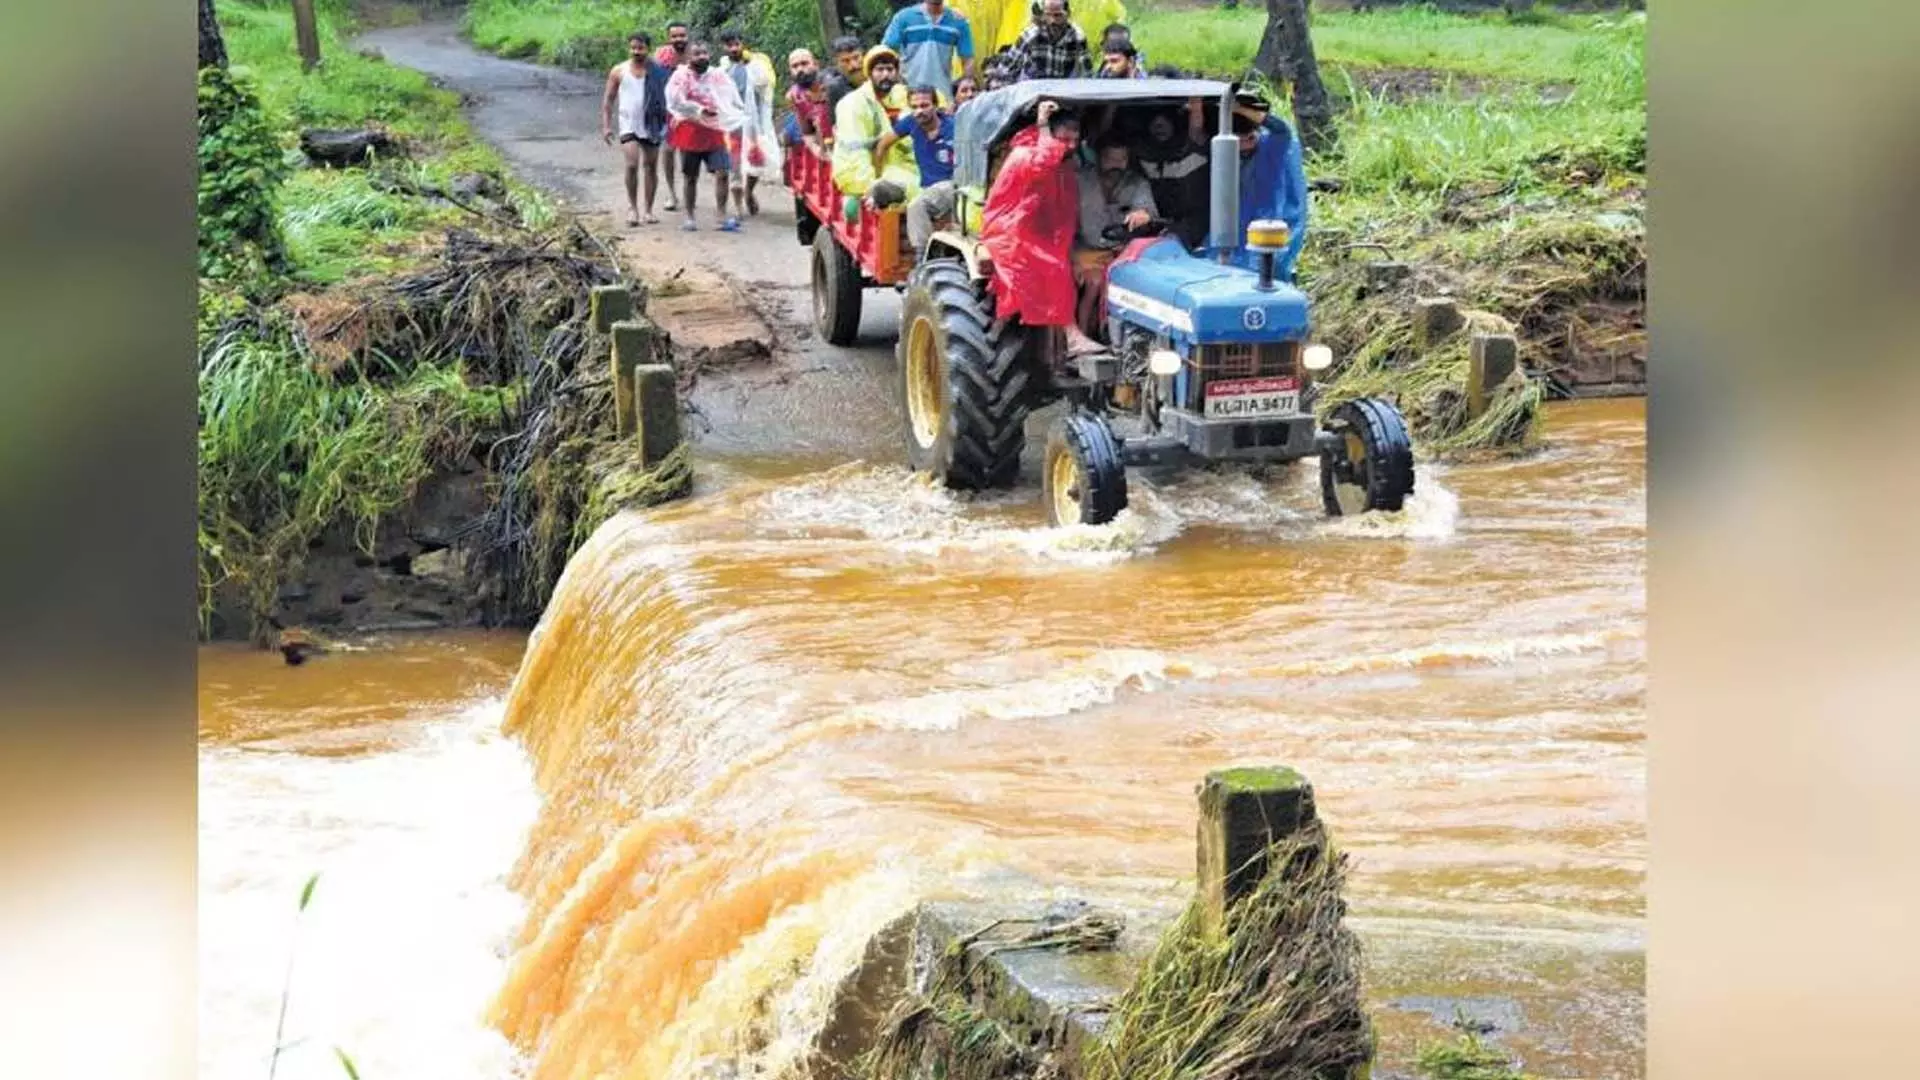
[{"x": 1028, "y": 223}]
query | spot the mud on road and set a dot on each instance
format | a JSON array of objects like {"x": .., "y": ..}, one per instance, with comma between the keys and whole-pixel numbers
[{"x": 737, "y": 294}]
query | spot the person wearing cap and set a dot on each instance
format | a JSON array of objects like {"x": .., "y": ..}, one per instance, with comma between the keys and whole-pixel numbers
[
  {"x": 859, "y": 121},
  {"x": 1273, "y": 180},
  {"x": 929, "y": 36}
]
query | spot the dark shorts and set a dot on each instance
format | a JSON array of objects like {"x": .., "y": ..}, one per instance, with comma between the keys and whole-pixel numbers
[
  {"x": 651, "y": 144},
  {"x": 716, "y": 161}
]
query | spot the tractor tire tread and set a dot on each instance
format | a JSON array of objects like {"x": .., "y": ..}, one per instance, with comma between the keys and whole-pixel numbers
[
  {"x": 1390, "y": 474},
  {"x": 986, "y": 380},
  {"x": 1097, "y": 452}
]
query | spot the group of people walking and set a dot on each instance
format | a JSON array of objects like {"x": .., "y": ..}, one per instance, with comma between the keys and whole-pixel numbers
[{"x": 679, "y": 104}]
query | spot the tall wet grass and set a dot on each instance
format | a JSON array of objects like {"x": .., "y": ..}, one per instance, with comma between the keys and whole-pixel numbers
[{"x": 288, "y": 451}]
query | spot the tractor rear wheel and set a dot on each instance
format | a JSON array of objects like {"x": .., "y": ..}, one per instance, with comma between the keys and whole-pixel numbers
[
  {"x": 1082, "y": 478},
  {"x": 836, "y": 290},
  {"x": 1372, "y": 467},
  {"x": 963, "y": 385}
]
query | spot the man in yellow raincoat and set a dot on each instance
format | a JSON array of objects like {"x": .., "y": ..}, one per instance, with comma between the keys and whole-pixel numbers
[{"x": 859, "y": 121}]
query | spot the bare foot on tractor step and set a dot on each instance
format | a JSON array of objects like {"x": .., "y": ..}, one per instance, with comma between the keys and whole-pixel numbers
[{"x": 1079, "y": 344}]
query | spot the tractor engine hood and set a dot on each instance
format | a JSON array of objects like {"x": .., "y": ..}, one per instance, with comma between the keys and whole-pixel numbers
[{"x": 1198, "y": 301}]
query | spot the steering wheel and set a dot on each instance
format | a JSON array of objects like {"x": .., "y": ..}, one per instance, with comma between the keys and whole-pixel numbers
[{"x": 1120, "y": 234}]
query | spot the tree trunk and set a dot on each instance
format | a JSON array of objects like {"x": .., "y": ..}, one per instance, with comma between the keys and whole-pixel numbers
[
  {"x": 306, "y": 32},
  {"x": 829, "y": 27},
  {"x": 213, "y": 48},
  {"x": 1286, "y": 56}
]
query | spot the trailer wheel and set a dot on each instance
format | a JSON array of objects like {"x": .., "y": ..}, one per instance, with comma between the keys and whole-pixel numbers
[
  {"x": 836, "y": 290},
  {"x": 1082, "y": 479},
  {"x": 963, "y": 385},
  {"x": 805, "y": 225},
  {"x": 1371, "y": 467}
]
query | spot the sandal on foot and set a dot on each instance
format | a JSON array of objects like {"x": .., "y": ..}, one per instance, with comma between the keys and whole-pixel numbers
[
  {"x": 689, "y": 226},
  {"x": 732, "y": 224}
]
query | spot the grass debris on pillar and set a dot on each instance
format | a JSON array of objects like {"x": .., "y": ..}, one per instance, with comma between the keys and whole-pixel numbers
[{"x": 1261, "y": 976}]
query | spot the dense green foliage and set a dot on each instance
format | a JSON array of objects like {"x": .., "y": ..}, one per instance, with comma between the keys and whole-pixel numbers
[
  {"x": 289, "y": 449},
  {"x": 241, "y": 167}
]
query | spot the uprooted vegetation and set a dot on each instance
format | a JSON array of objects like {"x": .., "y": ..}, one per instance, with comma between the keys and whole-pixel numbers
[
  {"x": 1273, "y": 995},
  {"x": 367, "y": 332},
  {"x": 1524, "y": 206}
]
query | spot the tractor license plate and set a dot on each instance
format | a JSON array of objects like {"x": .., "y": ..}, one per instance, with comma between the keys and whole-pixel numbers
[{"x": 1251, "y": 399}]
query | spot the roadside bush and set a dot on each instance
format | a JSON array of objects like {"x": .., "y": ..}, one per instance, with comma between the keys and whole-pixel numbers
[{"x": 241, "y": 168}]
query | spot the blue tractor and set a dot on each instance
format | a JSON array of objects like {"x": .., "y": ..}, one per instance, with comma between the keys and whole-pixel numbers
[{"x": 1208, "y": 356}]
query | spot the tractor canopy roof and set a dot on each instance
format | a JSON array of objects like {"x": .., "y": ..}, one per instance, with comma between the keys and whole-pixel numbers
[{"x": 989, "y": 119}]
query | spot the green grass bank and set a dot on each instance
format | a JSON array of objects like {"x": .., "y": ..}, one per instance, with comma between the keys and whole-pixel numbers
[{"x": 368, "y": 337}]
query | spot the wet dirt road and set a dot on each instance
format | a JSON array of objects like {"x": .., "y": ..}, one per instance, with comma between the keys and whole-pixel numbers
[
  {"x": 814, "y": 399},
  {"x": 755, "y": 725}
]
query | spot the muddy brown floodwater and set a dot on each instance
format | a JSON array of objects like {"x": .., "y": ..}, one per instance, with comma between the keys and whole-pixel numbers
[{"x": 756, "y": 725}]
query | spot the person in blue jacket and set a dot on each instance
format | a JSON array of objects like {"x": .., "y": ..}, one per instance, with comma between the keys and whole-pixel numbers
[{"x": 1273, "y": 181}]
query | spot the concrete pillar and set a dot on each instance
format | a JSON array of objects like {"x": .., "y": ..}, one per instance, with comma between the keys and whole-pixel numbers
[
  {"x": 657, "y": 399},
  {"x": 1435, "y": 319},
  {"x": 636, "y": 343},
  {"x": 1243, "y": 812},
  {"x": 1491, "y": 359},
  {"x": 609, "y": 304}
]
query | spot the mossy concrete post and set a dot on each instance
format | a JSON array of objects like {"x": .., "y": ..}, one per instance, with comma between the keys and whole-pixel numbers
[
  {"x": 1243, "y": 813},
  {"x": 1435, "y": 319},
  {"x": 637, "y": 343},
  {"x": 1491, "y": 360},
  {"x": 609, "y": 304},
  {"x": 606, "y": 305},
  {"x": 657, "y": 398}
]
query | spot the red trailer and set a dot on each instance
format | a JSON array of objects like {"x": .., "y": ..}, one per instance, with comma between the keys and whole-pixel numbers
[{"x": 851, "y": 253}]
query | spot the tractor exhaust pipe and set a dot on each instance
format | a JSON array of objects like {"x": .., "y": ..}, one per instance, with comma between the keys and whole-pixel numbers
[{"x": 1224, "y": 234}]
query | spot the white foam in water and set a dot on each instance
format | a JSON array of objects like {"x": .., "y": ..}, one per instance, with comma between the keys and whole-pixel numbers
[
  {"x": 913, "y": 515},
  {"x": 1070, "y": 685},
  {"x": 401, "y": 947},
  {"x": 1432, "y": 512}
]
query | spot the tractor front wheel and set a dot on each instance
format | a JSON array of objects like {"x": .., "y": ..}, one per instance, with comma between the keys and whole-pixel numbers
[
  {"x": 1370, "y": 465},
  {"x": 963, "y": 384},
  {"x": 1082, "y": 478}
]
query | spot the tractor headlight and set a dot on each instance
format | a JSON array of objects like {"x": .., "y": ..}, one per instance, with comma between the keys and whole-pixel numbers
[
  {"x": 1316, "y": 357},
  {"x": 1163, "y": 362},
  {"x": 1268, "y": 234}
]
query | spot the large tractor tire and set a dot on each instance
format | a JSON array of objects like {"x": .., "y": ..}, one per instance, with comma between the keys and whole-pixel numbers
[
  {"x": 836, "y": 290},
  {"x": 1372, "y": 467},
  {"x": 805, "y": 225},
  {"x": 1082, "y": 478},
  {"x": 963, "y": 387}
]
